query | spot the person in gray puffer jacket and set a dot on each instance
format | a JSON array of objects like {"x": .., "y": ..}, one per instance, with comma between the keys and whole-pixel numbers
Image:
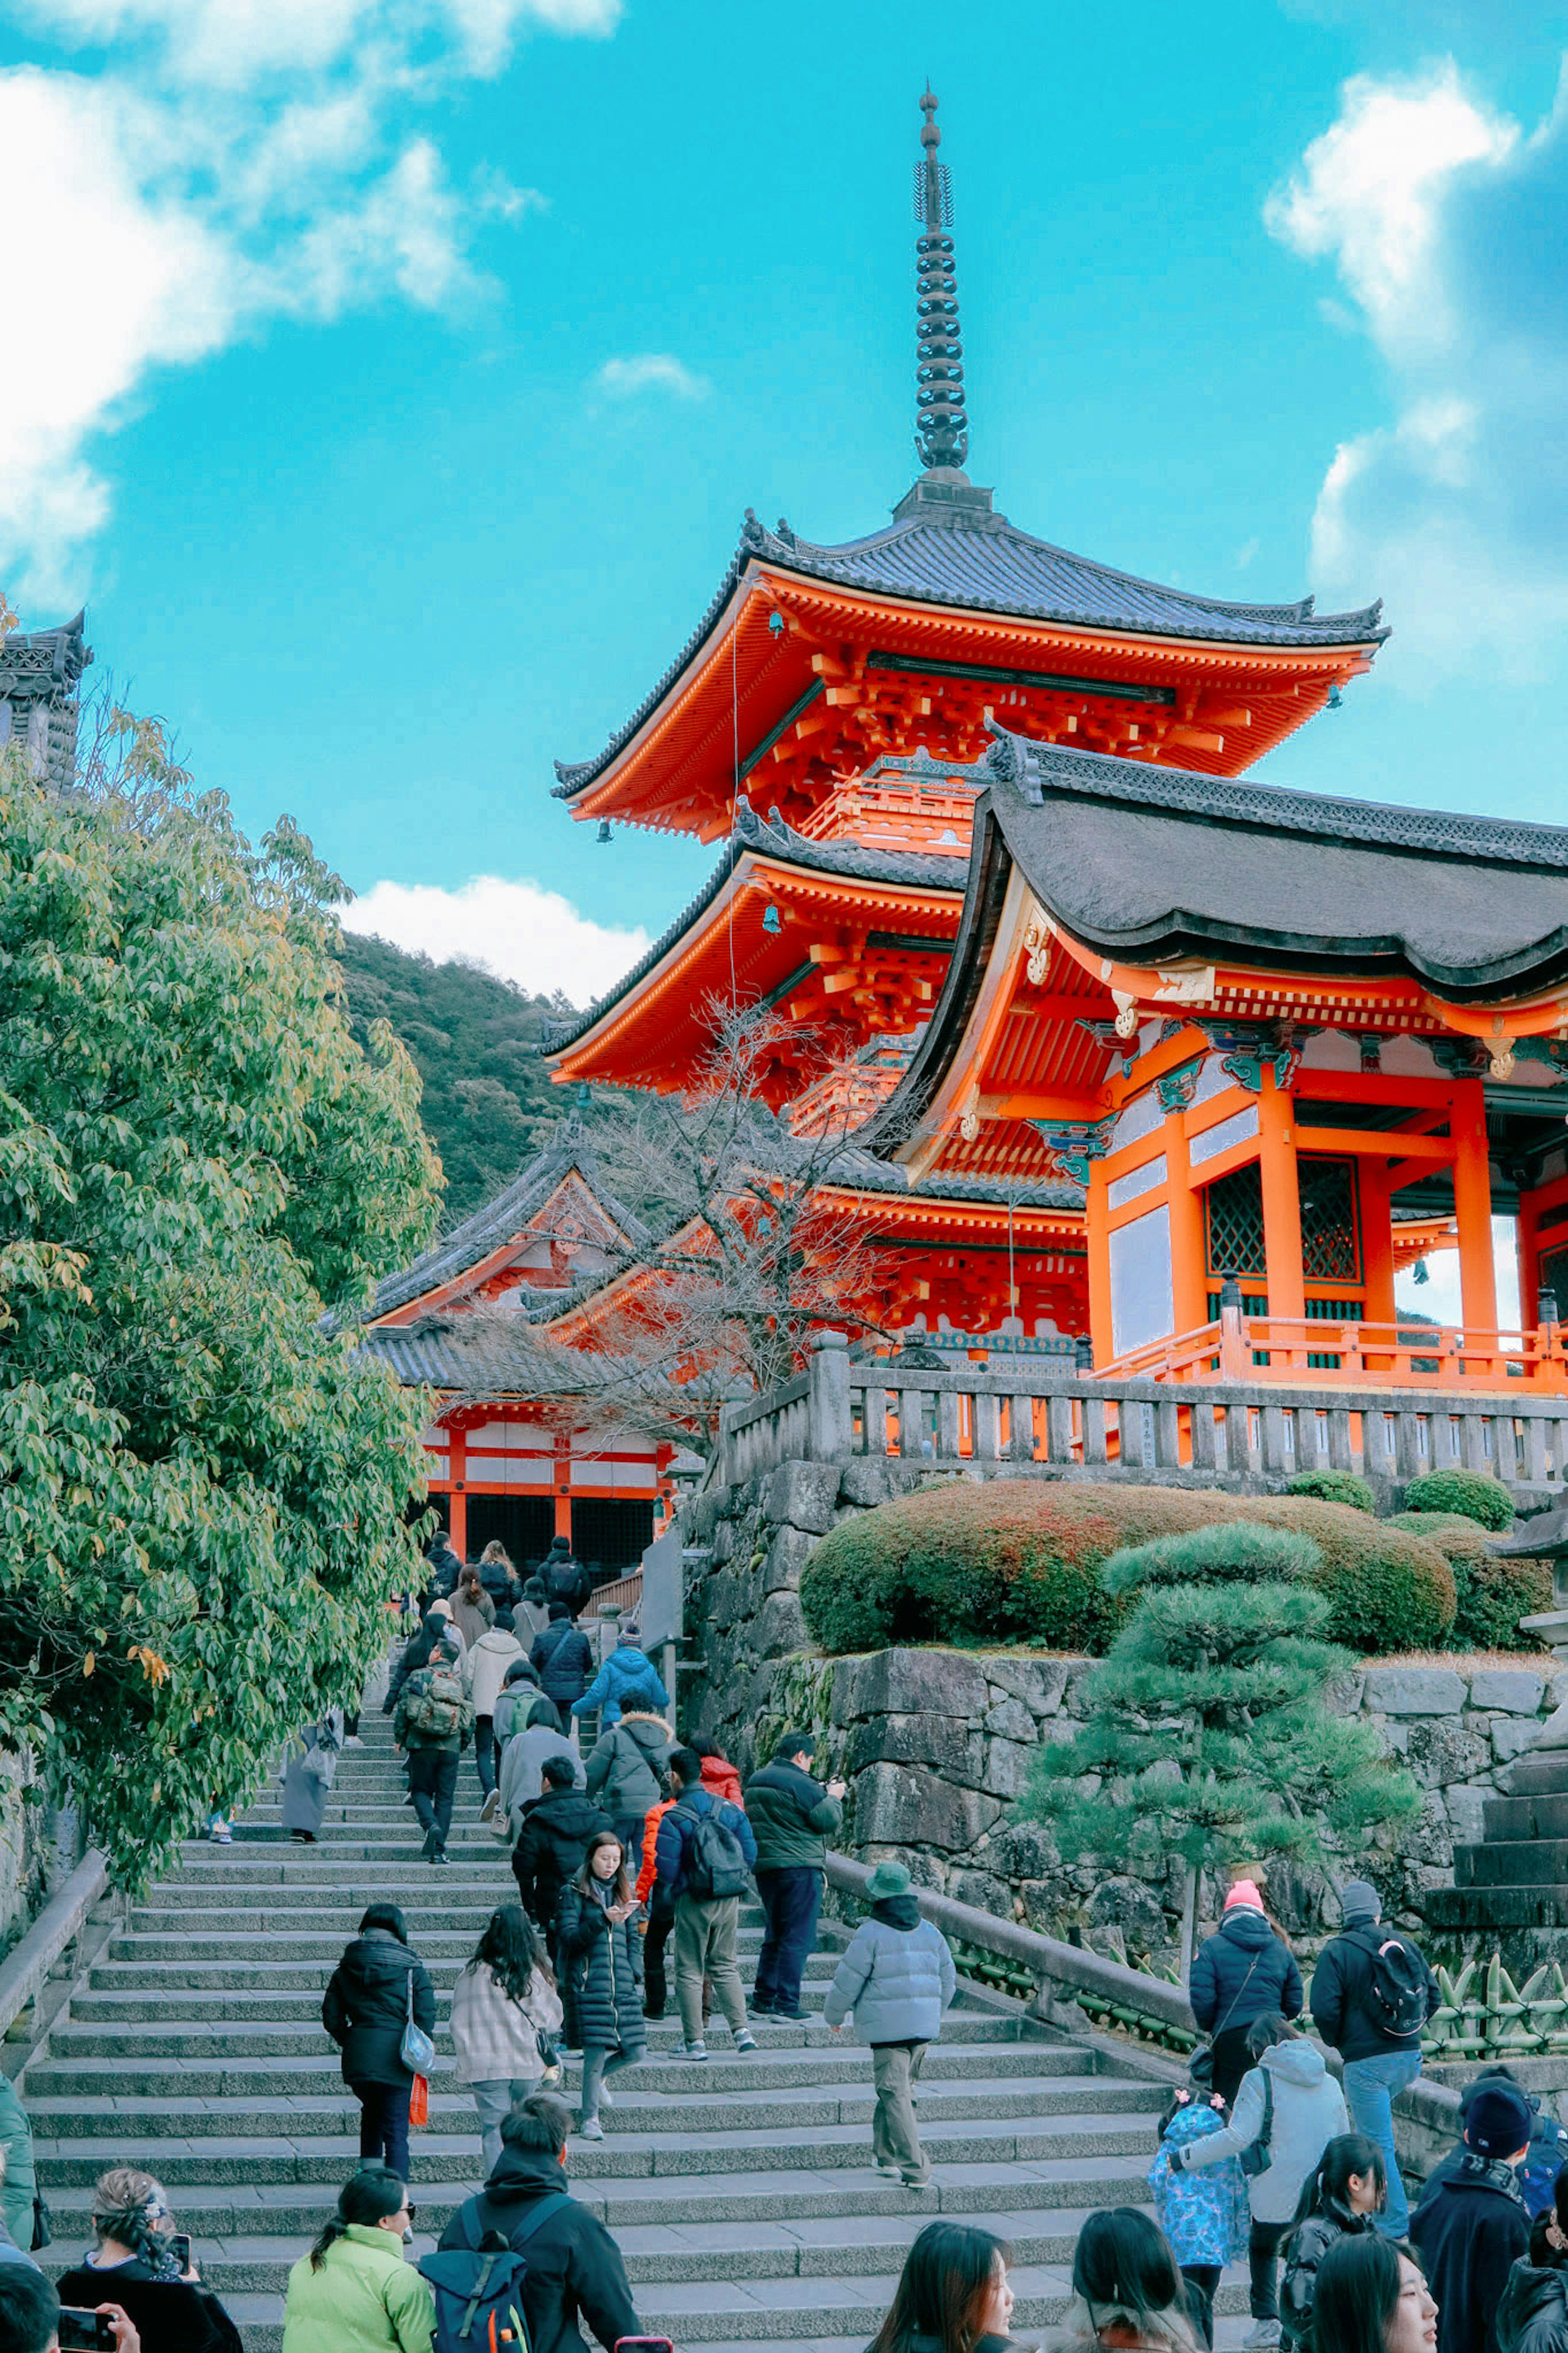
[
  {"x": 1290, "y": 2104},
  {"x": 896, "y": 1978},
  {"x": 628, "y": 1766}
]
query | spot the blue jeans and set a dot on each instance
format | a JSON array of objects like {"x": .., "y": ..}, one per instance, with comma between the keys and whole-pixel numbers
[
  {"x": 789, "y": 1899},
  {"x": 1370, "y": 2087},
  {"x": 494, "y": 2102}
]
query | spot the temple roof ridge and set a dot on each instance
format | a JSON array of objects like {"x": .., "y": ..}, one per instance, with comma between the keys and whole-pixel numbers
[{"x": 1037, "y": 768}]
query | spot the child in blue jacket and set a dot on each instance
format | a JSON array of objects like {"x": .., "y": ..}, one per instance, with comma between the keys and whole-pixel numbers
[{"x": 1204, "y": 2215}]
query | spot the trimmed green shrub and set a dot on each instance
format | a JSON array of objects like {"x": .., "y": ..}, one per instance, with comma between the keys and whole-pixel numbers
[
  {"x": 1389, "y": 1591},
  {"x": 1476, "y": 1493},
  {"x": 1335, "y": 1487},
  {"x": 1429, "y": 1524},
  {"x": 1493, "y": 1594},
  {"x": 1018, "y": 1558},
  {"x": 1234, "y": 1553},
  {"x": 1013, "y": 1557}
]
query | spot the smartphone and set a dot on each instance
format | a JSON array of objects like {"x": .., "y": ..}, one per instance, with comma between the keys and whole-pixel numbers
[
  {"x": 180, "y": 2247},
  {"x": 81, "y": 2330}
]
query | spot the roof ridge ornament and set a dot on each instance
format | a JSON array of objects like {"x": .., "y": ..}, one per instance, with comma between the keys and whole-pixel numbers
[{"x": 941, "y": 424}]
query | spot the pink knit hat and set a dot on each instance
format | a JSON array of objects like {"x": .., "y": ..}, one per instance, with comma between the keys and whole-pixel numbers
[{"x": 1245, "y": 1893}]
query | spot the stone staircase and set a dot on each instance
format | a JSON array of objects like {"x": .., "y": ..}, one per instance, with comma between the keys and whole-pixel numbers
[
  {"x": 742, "y": 2193},
  {"x": 1511, "y": 1886}
]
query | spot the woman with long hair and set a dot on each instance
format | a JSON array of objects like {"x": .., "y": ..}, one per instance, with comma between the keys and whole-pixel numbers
[
  {"x": 473, "y": 1611},
  {"x": 132, "y": 2264},
  {"x": 353, "y": 2293},
  {"x": 953, "y": 2295},
  {"x": 376, "y": 1988},
  {"x": 600, "y": 1963},
  {"x": 1371, "y": 2298},
  {"x": 1127, "y": 2290},
  {"x": 498, "y": 1576},
  {"x": 501, "y": 2004},
  {"x": 1341, "y": 2199}
]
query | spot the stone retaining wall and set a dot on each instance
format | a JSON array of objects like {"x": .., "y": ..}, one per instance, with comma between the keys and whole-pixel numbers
[{"x": 938, "y": 1746}]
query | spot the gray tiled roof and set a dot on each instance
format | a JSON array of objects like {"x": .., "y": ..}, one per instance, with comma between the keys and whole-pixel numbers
[
  {"x": 40, "y": 673},
  {"x": 492, "y": 1227},
  {"x": 912, "y": 870},
  {"x": 982, "y": 562}
]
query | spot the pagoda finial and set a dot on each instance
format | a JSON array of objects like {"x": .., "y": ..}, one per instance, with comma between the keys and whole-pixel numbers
[{"x": 941, "y": 427}]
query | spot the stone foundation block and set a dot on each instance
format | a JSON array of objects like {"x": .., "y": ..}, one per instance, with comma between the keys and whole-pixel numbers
[
  {"x": 1038, "y": 1683},
  {"x": 804, "y": 1495},
  {"x": 1415, "y": 1691},
  {"x": 1515, "y": 1691},
  {"x": 1012, "y": 1721},
  {"x": 910, "y": 1682},
  {"x": 939, "y": 1741},
  {"x": 787, "y": 1556},
  {"x": 1511, "y": 1735},
  {"x": 903, "y": 1806}
]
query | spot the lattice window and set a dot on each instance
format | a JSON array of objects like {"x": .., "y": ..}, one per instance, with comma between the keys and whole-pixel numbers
[
  {"x": 1331, "y": 1242},
  {"x": 1233, "y": 1219}
]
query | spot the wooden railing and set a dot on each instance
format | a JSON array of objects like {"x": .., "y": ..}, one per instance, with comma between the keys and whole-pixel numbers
[{"x": 1122, "y": 1425}]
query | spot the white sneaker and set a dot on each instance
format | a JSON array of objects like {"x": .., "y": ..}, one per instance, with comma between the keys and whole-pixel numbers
[
  {"x": 1261, "y": 2333},
  {"x": 694, "y": 2051},
  {"x": 492, "y": 1799},
  {"x": 744, "y": 2042},
  {"x": 592, "y": 2130},
  {"x": 353, "y": 1741}
]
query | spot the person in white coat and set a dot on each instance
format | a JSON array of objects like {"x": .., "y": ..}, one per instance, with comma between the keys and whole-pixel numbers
[
  {"x": 501, "y": 2004},
  {"x": 1288, "y": 2109},
  {"x": 484, "y": 1672}
]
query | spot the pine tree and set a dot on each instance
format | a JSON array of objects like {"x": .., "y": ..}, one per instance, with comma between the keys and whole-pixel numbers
[{"x": 1207, "y": 1734}]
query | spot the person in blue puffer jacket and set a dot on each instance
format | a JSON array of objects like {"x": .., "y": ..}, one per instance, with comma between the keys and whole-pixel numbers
[
  {"x": 628, "y": 1679},
  {"x": 1206, "y": 2216}
]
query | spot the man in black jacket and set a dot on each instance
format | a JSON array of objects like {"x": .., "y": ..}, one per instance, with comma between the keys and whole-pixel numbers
[
  {"x": 563, "y": 1659},
  {"x": 1378, "y": 2064},
  {"x": 1472, "y": 2227},
  {"x": 553, "y": 1839},
  {"x": 574, "y": 2266},
  {"x": 792, "y": 1818}
]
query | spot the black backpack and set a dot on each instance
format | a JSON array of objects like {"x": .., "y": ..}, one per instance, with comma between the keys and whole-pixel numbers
[
  {"x": 1396, "y": 1986},
  {"x": 563, "y": 1579},
  {"x": 715, "y": 1861}
]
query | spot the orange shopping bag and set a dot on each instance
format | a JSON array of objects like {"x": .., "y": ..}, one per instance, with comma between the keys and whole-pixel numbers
[{"x": 420, "y": 2102}]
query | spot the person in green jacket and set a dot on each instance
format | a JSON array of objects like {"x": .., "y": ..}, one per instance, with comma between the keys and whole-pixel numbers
[
  {"x": 353, "y": 2293},
  {"x": 19, "y": 2182}
]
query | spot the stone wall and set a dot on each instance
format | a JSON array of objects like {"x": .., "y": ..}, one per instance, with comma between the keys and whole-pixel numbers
[
  {"x": 27, "y": 1845},
  {"x": 938, "y": 1746}
]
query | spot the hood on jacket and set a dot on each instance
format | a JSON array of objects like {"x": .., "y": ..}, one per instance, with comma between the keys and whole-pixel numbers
[
  {"x": 378, "y": 1957},
  {"x": 1247, "y": 1929},
  {"x": 649, "y": 1731},
  {"x": 524, "y": 2173},
  {"x": 1299, "y": 2063},
  {"x": 1530, "y": 2293},
  {"x": 900, "y": 1912},
  {"x": 1195, "y": 2121},
  {"x": 498, "y": 1638},
  {"x": 719, "y": 1776}
]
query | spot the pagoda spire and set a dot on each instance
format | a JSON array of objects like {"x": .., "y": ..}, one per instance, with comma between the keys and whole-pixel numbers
[{"x": 941, "y": 426}]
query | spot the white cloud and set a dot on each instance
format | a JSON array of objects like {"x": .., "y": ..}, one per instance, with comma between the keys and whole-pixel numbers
[
  {"x": 225, "y": 161},
  {"x": 1439, "y": 215},
  {"x": 525, "y": 934},
  {"x": 650, "y": 372},
  {"x": 1438, "y": 1297}
]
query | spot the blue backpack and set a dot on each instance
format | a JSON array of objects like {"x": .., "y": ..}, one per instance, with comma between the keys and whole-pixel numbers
[{"x": 479, "y": 2289}]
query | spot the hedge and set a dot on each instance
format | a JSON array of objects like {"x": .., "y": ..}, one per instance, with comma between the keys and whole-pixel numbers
[
  {"x": 1016, "y": 1557},
  {"x": 1493, "y": 1594},
  {"x": 1476, "y": 1493},
  {"x": 1335, "y": 1487}
]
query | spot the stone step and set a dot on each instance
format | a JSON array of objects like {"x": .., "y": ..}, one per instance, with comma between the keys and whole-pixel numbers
[
  {"x": 1526, "y": 1818},
  {"x": 1514, "y": 1863},
  {"x": 168, "y": 1976},
  {"x": 302, "y": 2145},
  {"x": 136, "y": 2003},
  {"x": 69, "y": 2099},
  {"x": 1462, "y": 1909},
  {"x": 1540, "y": 1772}
]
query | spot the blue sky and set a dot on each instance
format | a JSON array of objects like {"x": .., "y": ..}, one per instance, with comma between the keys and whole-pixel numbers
[{"x": 397, "y": 372}]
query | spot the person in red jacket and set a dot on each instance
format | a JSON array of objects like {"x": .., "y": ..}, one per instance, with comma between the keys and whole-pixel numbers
[{"x": 717, "y": 1774}]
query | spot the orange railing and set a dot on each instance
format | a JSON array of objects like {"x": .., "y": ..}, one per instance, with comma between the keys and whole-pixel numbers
[{"x": 1271, "y": 1348}]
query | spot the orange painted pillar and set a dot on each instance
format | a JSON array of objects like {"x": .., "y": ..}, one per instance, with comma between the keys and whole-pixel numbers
[
  {"x": 1281, "y": 1204},
  {"x": 1097, "y": 1237},
  {"x": 1473, "y": 1207},
  {"x": 1376, "y": 1237},
  {"x": 562, "y": 1488},
  {"x": 458, "y": 1529},
  {"x": 1189, "y": 1258}
]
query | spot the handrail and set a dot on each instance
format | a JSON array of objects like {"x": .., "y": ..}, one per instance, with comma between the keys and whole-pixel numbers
[
  {"x": 1064, "y": 1965},
  {"x": 30, "y": 1959}
]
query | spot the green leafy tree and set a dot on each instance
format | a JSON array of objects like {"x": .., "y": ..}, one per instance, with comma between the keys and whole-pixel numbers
[
  {"x": 1206, "y": 1734},
  {"x": 203, "y": 1484}
]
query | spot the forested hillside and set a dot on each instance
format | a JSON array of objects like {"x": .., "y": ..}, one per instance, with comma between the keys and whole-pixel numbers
[{"x": 488, "y": 1101}]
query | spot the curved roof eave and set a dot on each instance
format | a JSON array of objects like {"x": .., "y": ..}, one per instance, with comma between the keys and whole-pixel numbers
[{"x": 1281, "y": 628}]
